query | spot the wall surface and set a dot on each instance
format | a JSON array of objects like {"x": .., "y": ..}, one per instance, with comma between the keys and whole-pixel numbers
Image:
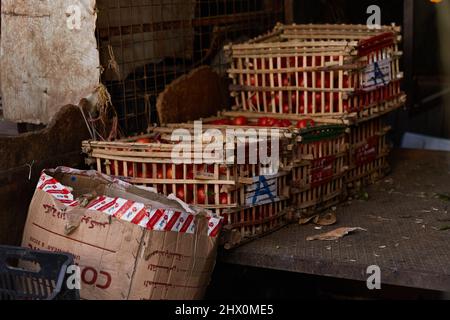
[
  {"x": 45, "y": 64},
  {"x": 57, "y": 145}
]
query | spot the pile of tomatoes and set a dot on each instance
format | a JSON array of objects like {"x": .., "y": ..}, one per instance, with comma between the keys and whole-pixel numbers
[
  {"x": 145, "y": 140},
  {"x": 302, "y": 102},
  {"x": 265, "y": 122},
  {"x": 299, "y": 103},
  {"x": 184, "y": 193},
  {"x": 187, "y": 195},
  {"x": 238, "y": 121}
]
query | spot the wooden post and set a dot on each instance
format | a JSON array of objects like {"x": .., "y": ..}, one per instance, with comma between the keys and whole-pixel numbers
[
  {"x": 289, "y": 11},
  {"x": 408, "y": 48},
  {"x": 408, "y": 22}
]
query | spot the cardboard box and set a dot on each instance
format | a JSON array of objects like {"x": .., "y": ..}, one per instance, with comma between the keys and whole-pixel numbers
[{"x": 129, "y": 243}]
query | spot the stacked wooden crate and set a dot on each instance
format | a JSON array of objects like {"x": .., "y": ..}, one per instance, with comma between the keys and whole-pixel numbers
[
  {"x": 345, "y": 73},
  {"x": 251, "y": 197},
  {"x": 323, "y": 89},
  {"x": 317, "y": 157},
  {"x": 369, "y": 152},
  {"x": 252, "y": 202}
]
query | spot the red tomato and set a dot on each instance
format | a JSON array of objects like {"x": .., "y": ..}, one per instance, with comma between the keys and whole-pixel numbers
[
  {"x": 301, "y": 109},
  {"x": 221, "y": 122},
  {"x": 144, "y": 140},
  {"x": 254, "y": 100},
  {"x": 201, "y": 195},
  {"x": 286, "y": 109},
  {"x": 223, "y": 170},
  {"x": 113, "y": 170},
  {"x": 180, "y": 193},
  {"x": 306, "y": 123},
  {"x": 130, "y": 171},
  {"x": 301, "y": 82},
  {"x": 205, "y": 168},
  {"x": 286, "y": 82},
  {"x": 285, "y": 123},
  {"x": 336, "y": 96},
  {"x": 276, "y": 123},
  {"x": 318, "y": 97},
  {"x": 263, "y": 122},
  {"x": 326, "y": 83},
  {"x": 169, "y": 173},
  {"x": 223, "y": 198},
  {"x": 319, "y": 82},
  {"x": 159, "y": 173},
  {"x": 240, "y": 121},
  {"x": 276, "y": 100},
  {"x": 270, "y": 122},
  {"x": 302, "y": 98},
  {"x": 294, "y": 99},
  {"x": 251, "y": 82}
]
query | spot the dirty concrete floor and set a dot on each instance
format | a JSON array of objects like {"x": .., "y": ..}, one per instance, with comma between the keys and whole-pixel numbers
[{"x": 407, "y": 237}]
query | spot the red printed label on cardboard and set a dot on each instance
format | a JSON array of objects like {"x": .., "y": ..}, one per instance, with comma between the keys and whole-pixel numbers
[
  {"x": 127, "y": 210},
  {"x": 322, "y": 171},
  {"x": 367, "y": 153}
]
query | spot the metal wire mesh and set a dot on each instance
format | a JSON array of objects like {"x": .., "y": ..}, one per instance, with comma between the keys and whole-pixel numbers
[{"x": 146, "y": 44}]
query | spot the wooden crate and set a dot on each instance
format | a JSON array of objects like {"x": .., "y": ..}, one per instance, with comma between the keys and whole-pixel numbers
[
  {"x": 286, "y": 136},
  {"x": 368, "y": 153},
  {"x": 318, "y": 70},
  {"x": 251, "y": 222},
  {"x": 152, "y": 165},
  {"x": 292, "y": 138},
  {"x": 252, "y": 202},
  {"x": 317, "y": 159},
  {"x": 318, "y": 178}
]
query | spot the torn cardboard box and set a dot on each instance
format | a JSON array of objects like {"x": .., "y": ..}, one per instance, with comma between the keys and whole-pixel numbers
[{"x": 129, "y": 243}]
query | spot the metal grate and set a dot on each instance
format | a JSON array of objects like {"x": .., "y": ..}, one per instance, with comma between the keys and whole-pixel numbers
[{"x": 146, "y": 44}]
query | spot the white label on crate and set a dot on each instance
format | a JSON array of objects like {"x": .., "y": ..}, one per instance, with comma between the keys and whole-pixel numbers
[
  {"x": 264, "y": 189},
  {"x": 377, "y": 74}
]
